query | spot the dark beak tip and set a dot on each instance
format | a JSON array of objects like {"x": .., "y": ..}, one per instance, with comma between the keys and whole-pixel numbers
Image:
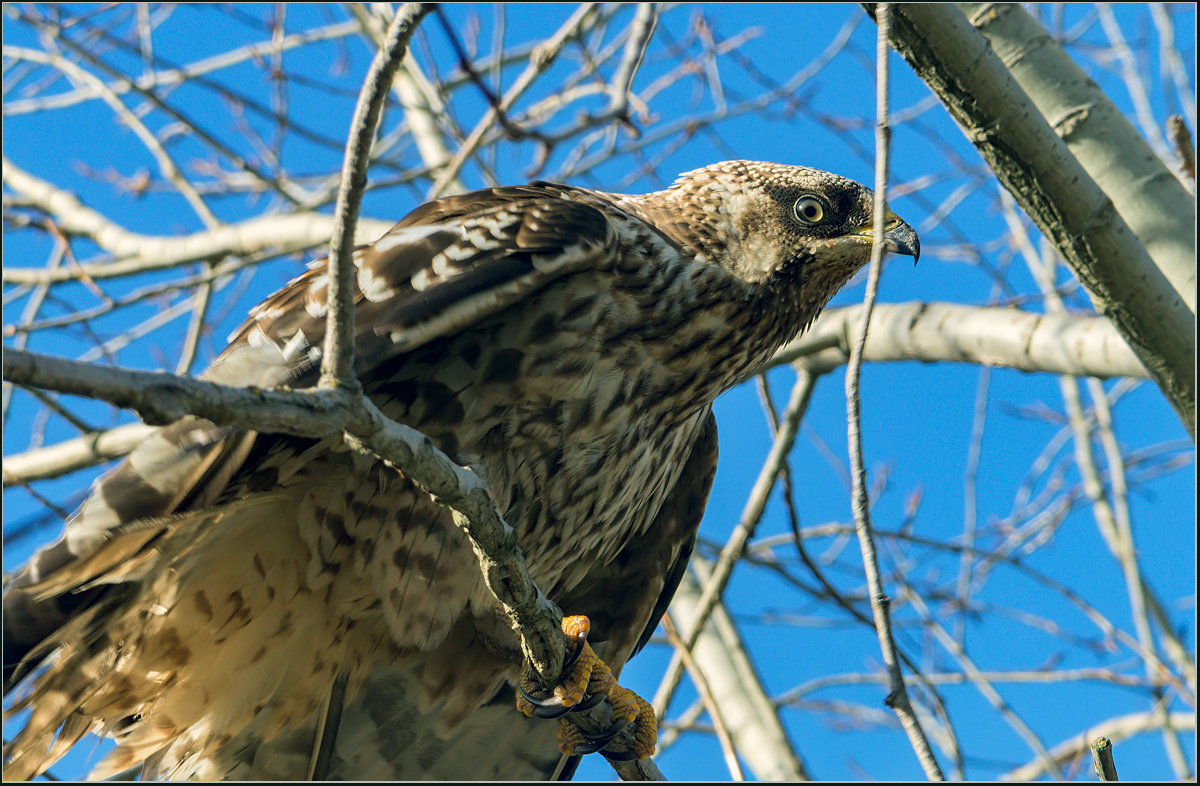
[{"x": 907, "y": 242}]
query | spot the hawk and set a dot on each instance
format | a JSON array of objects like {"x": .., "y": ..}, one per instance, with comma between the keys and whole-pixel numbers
[{"x": 564, "y": 343}]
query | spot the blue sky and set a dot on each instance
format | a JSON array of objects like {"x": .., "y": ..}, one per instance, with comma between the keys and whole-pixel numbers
[{"x": 918, "y": 418}]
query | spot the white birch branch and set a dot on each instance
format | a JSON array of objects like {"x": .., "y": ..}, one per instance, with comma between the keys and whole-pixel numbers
[
  {"x": 983, "y": 335},
  {"x": 1041, "y": 173},
  {"x": 1158, "y": 209}
]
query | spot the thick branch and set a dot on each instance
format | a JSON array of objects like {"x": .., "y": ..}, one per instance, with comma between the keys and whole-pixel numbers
[
  {"x": 952, "y": 333},
  {"x": 1155, "y": 204},
  {"x": 928, "y": 332},
  {"x": 1036, "y": 167}
]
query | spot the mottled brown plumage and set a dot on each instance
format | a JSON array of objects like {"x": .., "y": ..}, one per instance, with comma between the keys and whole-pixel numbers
[{"x": 564, "y": 343}]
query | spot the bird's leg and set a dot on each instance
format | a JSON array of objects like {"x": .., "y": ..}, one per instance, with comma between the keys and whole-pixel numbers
[{"x": 586, "y": 683}]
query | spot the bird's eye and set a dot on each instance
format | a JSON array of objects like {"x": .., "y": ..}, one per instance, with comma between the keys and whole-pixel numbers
[{"x": 809, "y": 210}]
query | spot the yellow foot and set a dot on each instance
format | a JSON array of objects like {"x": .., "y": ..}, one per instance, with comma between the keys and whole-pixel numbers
[{"x": 588, "y": 681}]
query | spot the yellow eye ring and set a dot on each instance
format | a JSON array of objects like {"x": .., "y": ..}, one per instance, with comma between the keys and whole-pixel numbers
[{"x": 809, "y": 210}]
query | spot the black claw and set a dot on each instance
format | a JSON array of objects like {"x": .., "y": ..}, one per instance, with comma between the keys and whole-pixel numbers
[
  {"x": 550, "y": 712},
  {"x": 545, "y": 708},
  {"x": 573, "y": 657},
  {"x": 554, "y": 707}
]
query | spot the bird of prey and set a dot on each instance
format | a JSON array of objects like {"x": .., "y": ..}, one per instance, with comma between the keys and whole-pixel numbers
[{"x": 564, "y": 343}]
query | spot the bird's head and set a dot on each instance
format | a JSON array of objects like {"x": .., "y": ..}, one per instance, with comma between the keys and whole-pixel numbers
[
  {"x": 779, "y": 240},
  {"x": 789, "y": 224}
]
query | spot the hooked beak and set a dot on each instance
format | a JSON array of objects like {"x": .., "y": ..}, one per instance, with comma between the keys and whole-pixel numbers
[{"x": 898, "y": 237}]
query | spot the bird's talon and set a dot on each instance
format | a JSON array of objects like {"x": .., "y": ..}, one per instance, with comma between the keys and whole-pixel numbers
[
  {"x": 574, "y": 741},
  {"x": 588, "y": 682}
]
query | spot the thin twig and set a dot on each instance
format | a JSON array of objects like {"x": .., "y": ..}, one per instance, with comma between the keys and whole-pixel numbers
[
  {"x": 1110, "y": 507},
  {"x": 897, "y": 697},
  {"x": 982, "y": 684},
  {"x": 640, "y": 31},
  {"x": 138, "y": 253},
  {"x": 1115, "y": 729},
  {"x": 710, "y": 702},
  {"x": 337, "y": 359},
  {"x": 1095, "y": 616},
  {"x": 123, "y": 84},
  {"x": 539, "y": 60},
  {"x": 166, "y": 163}
]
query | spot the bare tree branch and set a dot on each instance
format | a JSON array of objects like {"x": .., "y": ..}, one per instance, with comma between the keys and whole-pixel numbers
[
  {"x": 160, "y": 399},
  {"x": 1103, "y": 141},
  {"x": 73, "y": 454},
  {"x": 337, "y": 359},
  {"x": 952, "y": 333},
  {"x": 1056, "y": 192},
  {"x": 736, "y": 545},
  {"x": 715, "y": 711},
  {"x": 753, "y": 720},
  {"x": 897, "y": 697}
]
